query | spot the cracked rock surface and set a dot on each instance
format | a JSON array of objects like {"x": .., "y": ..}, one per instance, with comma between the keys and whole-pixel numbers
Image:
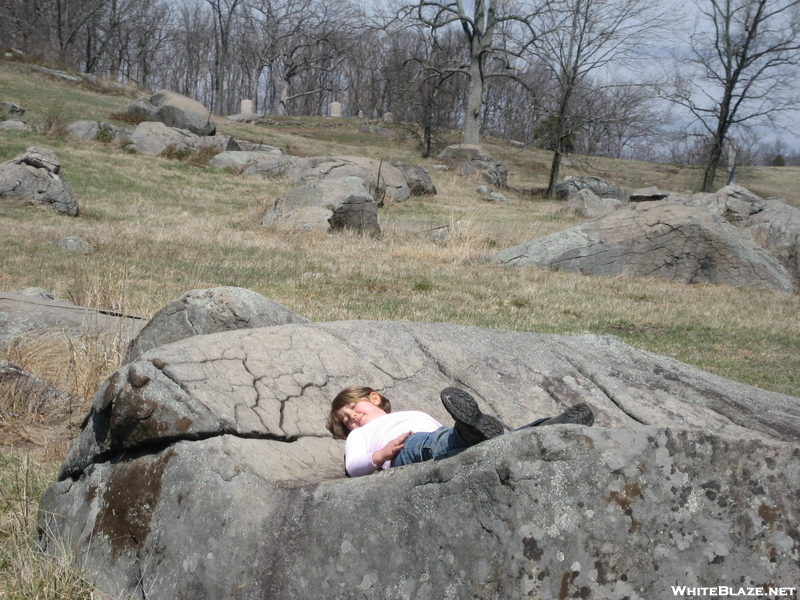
[
  {"x": 666, "y": 239},
  {"x": 204, "y": 469}
]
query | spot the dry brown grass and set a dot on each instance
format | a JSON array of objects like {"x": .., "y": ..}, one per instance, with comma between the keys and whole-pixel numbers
[
  {"x": 75, "y": 364},
  {"x": 25, "y": 574},
  {"x": 161, "y": 227}
]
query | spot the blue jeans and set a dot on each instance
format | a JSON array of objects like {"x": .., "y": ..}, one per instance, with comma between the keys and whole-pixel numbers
[{"x": 432, "y": 445}]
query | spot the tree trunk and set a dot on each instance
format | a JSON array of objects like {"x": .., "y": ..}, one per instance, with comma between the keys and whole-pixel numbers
[
  {"x": 555, "y": 166},
  {"x": 472, "y": 118},
  {"x": 712, "y": 165},
  {"x": 284, "y": 97}
]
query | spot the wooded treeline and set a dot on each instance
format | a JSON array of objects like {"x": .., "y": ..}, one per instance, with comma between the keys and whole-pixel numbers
[{"x": 572, "y": 76}]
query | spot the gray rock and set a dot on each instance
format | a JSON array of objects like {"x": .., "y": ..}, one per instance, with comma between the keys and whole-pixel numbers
[
  {"x": 86, "y": 130},
  {"x": 74, "y": 244},
  {"x": 199, "y": 312},
  {"x": 245, "y": 118},
  {"x": 471, "y": 160},
  {"x": 240, "y": 160},
  {"x": 29, "y": 312},
  {"x": 382, "y": 179},
  {"x": 776, "y": 228},
  {"x": 204, "y": 470},
  {"x": 496, "y": 197},
  {"x": 326, "y": 205},
  {"x": 588, "y": 204},
  {"x": 218, "y": 143},
  {"x": 34, "y": 177},
  {"x": 153, "y": 137},
  {"x": 655, "y": 239},
  {"x": 734, "y": 203},
  {"x": 93, "y": 130},
  {"x": 11, "y": 109},
  {"x": 13, "y": 124},
  {"x": 175, "y": 110},
  {"x": 598, "y": 186},
  {"x": 59, "y": 74},
  {"x": 418, "y": 179},
  {"x": 273, "y": 167},
  {"x": 143, "y": 109}
]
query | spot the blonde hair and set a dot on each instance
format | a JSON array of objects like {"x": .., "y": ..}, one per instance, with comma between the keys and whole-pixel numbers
[{"x": 347, "y": 396}]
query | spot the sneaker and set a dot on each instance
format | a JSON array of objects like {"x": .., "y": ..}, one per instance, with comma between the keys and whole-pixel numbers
[
  {"x": 472, "y": 425},
  {"x": 580, "y": 414}
]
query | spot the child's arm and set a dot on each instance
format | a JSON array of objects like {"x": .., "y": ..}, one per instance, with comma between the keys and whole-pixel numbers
[
  {"x": 390, "y": 450},
  {"x": 359, "y": 461}
]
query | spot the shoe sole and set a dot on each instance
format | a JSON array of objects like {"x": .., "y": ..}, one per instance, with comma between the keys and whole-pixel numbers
[
  {"x": 580, "y": 414},
  {"x": 464, "y": 410}
]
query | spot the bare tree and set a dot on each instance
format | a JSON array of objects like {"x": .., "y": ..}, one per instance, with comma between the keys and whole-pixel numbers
[
  {"x": 224, "y": 13},
  {"x": 620, "y": 120},
  {"x": 482, "y": 22},
  {"x": 421, "y": 81},
  {"x": 50, "y": 28},
  {"x": 585, "y": 36},
  {"x": 291, "y": 38},
  {"x": 742, "y": 69}
]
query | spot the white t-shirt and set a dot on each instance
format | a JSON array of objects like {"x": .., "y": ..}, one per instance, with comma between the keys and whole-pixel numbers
[{"x": 363, "y": 441}]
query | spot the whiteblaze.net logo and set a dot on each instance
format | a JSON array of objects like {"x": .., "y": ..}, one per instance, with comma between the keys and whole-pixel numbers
[{"x": 734, "y": 592}]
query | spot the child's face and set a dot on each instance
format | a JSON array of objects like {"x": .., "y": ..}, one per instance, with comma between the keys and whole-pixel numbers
[{"x": 358, "y": 414}]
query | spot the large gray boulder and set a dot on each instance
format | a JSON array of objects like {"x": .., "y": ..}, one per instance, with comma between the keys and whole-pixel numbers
[
  {"x": 597, "y": 185},
  {"x": 588, "y": 204},
  {"x": 11, "y": 109},
  {"x": 734, "y": 203},
  {"x": 175, "y": 110},
  {"x": 776, "y": 228},
  {"x": 204, "y": 470},
  {"x": 469, "y": 160},
  {"x": 663, "y": 239},
  {"x": 326, "y": 205},
  {"x": 97, "y": 130},
  {"x": 153, "y": 137},
  {"x": 418, "y": 179},
  {"x": 34, "y": 177},
  {"x": 199, "y": 312},
  {"x": 381, "y": 179}
]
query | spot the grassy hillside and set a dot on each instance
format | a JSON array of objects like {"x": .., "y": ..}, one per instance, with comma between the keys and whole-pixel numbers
[{"x": 161, "y": 227}]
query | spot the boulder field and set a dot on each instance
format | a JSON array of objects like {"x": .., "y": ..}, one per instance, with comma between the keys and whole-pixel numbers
[{"x": 204, "y": 471}]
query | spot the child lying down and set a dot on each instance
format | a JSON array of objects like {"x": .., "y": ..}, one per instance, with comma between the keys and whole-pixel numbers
[{"x": 376, "y": 438}]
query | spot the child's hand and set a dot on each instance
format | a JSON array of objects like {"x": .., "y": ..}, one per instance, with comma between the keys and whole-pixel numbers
[{"x": 390, "y": 450}]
